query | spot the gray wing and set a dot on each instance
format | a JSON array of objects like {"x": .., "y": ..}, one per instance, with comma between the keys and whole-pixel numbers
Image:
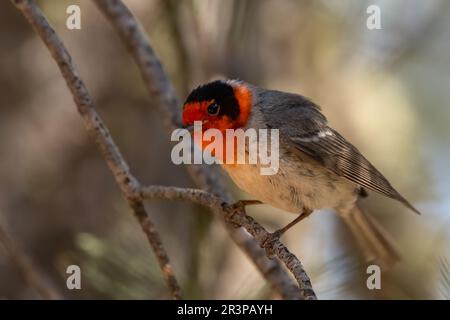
[{"x": 305, "y": 128}]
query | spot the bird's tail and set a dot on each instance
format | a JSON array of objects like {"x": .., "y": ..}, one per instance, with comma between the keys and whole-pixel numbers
[{"x": 377, "y": 245}]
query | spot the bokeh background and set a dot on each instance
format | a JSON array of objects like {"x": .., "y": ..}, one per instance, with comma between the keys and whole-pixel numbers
[{"x": 386, "y": 90}]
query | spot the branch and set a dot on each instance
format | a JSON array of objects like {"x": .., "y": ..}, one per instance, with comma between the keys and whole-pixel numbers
[
  {"x": 27, "y": 269},
  {"x": 99, "y": 132},
  {"x": 235, "y": 214},
  {"x": 206, "y": 177},
  {"x": 159, "y": 85}
]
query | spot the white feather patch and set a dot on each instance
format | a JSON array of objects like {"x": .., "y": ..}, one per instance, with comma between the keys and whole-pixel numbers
[{"x": 314, "y": 138}]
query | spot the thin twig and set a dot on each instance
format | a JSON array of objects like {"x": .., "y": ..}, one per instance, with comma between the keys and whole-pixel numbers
[
  {"x": 161, "y": 87},
  {"x": 99, "y": 132},
  {"x": 235, "y": 214},
  {"x": 28, "y": 270},
  {"x": 206, "y": 177}
]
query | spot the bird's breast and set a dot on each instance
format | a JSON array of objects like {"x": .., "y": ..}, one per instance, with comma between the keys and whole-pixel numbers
[{"x": 297, "y": 185}]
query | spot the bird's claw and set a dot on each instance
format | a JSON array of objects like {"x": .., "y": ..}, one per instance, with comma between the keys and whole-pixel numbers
[
  {"x": 238, "y": 206},
  {"x": 231, "y": 210},
  {"x": 269, "y": 241}
]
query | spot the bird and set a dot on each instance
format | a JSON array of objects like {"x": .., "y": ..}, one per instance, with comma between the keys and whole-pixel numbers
[{"x": 318, "y": 167}]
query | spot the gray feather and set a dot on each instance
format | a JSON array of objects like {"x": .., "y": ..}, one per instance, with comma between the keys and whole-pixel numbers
[{"x": 305, "y": 129}]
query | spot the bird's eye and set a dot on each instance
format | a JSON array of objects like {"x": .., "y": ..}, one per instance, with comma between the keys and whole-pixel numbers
[{"x": 213, "y": 109}]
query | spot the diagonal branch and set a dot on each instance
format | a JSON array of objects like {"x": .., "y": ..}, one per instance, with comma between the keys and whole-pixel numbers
[
  {"x": 235, "y": 214},
  {"x": 160, "y": 86},
  {"x": 206, "y": 177},
  {"x": 99, "y": 132},
  {"x": 28, "y": 270}
]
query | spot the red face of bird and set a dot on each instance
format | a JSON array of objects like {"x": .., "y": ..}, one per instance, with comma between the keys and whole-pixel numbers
[{"x": 219, "y": 104}]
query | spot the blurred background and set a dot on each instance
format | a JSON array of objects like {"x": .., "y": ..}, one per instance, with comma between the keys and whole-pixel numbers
[{"x": 386, "y": 90}]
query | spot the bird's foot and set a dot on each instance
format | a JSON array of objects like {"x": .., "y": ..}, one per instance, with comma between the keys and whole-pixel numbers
[
  {"x": 238, "y": 206},
  {"x": 244, "y": 203},
  {"x": 269, "y": 242}
]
